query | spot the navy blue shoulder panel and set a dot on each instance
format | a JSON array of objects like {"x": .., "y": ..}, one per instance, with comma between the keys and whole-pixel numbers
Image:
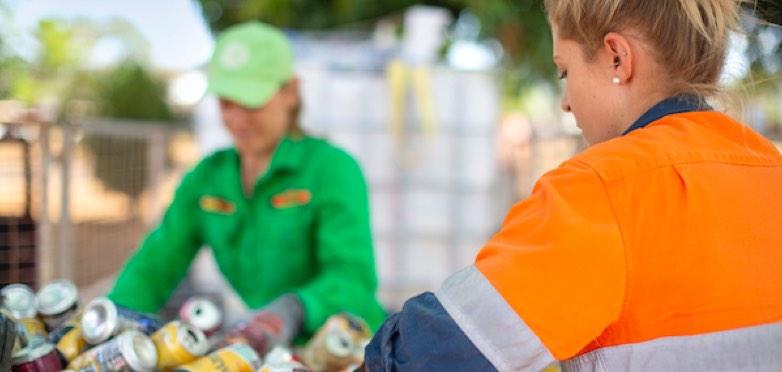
[
  {"x": 669, "y": 106},
  {"x": 423, "y": 337}
]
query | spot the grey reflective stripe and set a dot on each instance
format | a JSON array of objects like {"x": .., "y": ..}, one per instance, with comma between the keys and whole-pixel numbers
[
  {"x": 491, "y": 324},
  {"x": 747, "y": 349}
]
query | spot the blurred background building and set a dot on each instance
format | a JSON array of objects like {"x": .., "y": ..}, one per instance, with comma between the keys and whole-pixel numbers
[{"x": 451, "y": 107}]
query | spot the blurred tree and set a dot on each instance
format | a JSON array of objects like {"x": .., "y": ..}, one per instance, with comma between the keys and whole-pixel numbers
[
  {"x": 522, "y": 29},
  {"x": 306, "y": 14},
  {"x": 768, "y": 10},
  {"x": 61, "y": 73},
  {"x": 128, "y": 91},
  {"x": 47, "y": 74},
  {"x": 11, "y": 69},
  {"x": 519, "y": 25}
]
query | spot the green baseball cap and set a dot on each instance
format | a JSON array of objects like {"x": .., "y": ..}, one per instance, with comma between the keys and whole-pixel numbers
[{"x": 250, "y": 63}]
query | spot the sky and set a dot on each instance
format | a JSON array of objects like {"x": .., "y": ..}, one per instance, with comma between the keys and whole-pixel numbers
[{"x": 178, "y": 36}]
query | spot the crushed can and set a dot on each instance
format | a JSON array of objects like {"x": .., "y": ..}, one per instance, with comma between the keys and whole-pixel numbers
[
  {"x": 291, "y": 366},
  {"x": 338, "y": 345},
  {"x": 202, "y": 313},
  {"x": 278, "y": 354},
  {"x": 102, "y": 319},
  {"x": 130, "y": 351},
  {"x": 19, "y": 301},
  {"x": 71, "y": 344},
  {"x": 281, "y": 359},
  {"x": 20, "y": 340},
  {"x": 33, "y": 328},
  {"x": 237, "y": 357},
  {"x": 36, "y": 357},
  {"x": 56, "y": 334},
  {"x": 178, "y": 343},
  {"x": 57, "y": 302}
]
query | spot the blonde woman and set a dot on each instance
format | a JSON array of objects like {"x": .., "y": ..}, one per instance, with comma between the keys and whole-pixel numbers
[{"x": 657, "y": 248}]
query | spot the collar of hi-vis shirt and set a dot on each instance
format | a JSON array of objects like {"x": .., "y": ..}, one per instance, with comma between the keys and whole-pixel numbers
[{"x": 669, "y": 106}]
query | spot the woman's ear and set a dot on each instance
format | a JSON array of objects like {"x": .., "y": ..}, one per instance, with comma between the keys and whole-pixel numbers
[
  {"x": 617, "y": 47},
  {"x": 292, "y": 92}
]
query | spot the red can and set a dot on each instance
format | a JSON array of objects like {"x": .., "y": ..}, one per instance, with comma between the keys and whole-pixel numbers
[{"x": 37, "y": 358}]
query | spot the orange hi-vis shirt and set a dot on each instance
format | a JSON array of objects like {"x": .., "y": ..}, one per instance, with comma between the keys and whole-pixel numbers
[
  {"x": 659, "y": 250},
  {"x": 654, "y": 243}
]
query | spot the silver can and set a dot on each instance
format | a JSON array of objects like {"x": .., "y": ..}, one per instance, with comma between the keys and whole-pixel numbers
[
  {"x": 130, "y": 351},
  {"x": 19, "y": 300},
  {"x": 202, "y": 313},
  {"x": 102, "y": 319},
  {"x": 292, "y": 366},
  {"x": 57, "y": 302}
]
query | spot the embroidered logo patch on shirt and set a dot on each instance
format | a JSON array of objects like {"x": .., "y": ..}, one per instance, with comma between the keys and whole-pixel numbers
[
  {"x": 291, "y": 198},
  {"x": 216, "y": 205}
]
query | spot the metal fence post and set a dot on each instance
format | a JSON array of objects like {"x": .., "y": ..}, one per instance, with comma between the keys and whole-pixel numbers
[
  {"x": 45, "y": 255},
  {"x": 156, "y": 165},
  {"x": 65, "y": 256}
]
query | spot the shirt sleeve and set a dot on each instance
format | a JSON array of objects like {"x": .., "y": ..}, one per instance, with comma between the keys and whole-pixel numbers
[
  {"x": 346, "y": 279},
  {"x": 559, "y": 260},
  {"x": 156, "y": 268},
  {"x": 423, "y": 337}
]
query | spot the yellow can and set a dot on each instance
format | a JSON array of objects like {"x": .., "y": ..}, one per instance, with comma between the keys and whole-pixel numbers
[
  {"x": 232, "y": 358},
  {"x": 554, "y": 367},
  {"x": 178, "y": 343},
  {"x": 33, "y": 328},
  {"x": 72, "y": 343}
]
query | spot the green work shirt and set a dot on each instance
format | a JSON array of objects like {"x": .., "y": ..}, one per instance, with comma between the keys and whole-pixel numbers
[{"x": 305, "y": 230}]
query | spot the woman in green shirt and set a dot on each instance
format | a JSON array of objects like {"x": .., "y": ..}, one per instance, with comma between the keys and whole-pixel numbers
[{"x": 286, "y": 215}]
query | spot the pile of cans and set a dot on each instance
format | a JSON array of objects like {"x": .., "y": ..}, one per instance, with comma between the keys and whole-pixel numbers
[{"x": 56, "y": 333}]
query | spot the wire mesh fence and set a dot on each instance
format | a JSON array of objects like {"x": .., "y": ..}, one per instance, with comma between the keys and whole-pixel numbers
[{"x": 94, "y": 190}]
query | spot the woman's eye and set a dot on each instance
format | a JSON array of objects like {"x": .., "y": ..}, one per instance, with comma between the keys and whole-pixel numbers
[{"x": 563, "y": 75}]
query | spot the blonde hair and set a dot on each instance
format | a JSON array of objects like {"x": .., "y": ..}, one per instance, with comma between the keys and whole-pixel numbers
[{"x": 689, "y": 38}]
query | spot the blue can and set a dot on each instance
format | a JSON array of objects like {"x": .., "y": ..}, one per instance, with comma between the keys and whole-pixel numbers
[{"x": 147, "y": 324}]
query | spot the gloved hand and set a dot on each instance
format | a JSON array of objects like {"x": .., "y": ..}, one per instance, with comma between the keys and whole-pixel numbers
[
  {"x": 8, "y": 330},
  {"x": 275, "y": 324}
]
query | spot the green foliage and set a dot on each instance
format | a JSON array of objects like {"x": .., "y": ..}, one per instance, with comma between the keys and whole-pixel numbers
[
  {"x": 522, "y": 29},
  {"x": 127, "y": 92},
  {"x": 768, "y": 10},
  {"x": 305, "y": 14},
  {"x": 519, "y": 25},
  {"x": 130, "y": 92},
  {"x": 59, "y": 48},
  {"x": 47, "y": 75}
]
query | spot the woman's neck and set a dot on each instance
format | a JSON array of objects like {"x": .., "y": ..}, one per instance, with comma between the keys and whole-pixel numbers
[{"x": 253, "y": 165}]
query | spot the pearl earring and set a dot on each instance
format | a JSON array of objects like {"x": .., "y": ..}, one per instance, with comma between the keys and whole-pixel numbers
[{"x": 616, "y": 80}]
